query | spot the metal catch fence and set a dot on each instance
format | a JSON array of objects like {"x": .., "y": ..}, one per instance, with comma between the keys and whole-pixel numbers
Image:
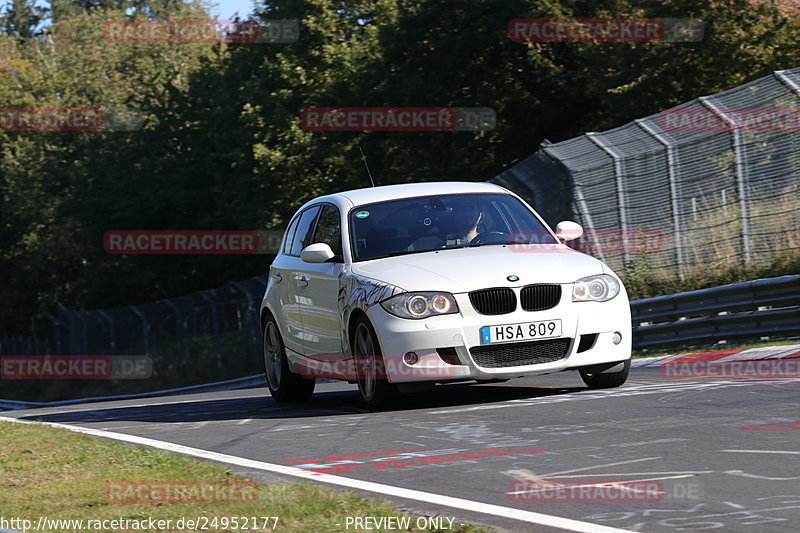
[{"x": 711, "y": 182}]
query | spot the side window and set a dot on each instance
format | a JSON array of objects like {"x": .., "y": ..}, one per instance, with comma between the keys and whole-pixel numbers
[
  {"x": 305, "y": 229},
  {"x": 287, "y": 240},
  {"x": 329, "y": 229}
]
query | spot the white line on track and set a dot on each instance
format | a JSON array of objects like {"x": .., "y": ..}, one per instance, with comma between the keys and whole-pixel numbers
[
  {"x": 761, "y": 451},
  {"x": 436, "y": 499},
  {"x": 693, "y": 473},
  {"x": 605, "y": 465},
  {"x": 742, "y": 473}
]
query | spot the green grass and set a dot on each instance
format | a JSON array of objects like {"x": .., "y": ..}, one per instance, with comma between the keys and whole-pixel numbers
[
  {"x": 60, "y": 474},
  {"x": 643, "y": 282}
]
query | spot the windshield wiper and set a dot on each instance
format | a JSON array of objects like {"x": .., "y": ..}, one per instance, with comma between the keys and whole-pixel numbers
[
  {"x": 487, "y": 244},
  {"x": 396, "y": 253},
  {"x": 457, "y": 247}
]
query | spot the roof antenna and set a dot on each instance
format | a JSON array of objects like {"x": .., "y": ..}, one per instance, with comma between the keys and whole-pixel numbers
[{"x": 364, "y": 159}]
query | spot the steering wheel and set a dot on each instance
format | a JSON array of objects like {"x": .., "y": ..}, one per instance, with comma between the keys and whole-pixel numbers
[{"x": 490, "y": 237}]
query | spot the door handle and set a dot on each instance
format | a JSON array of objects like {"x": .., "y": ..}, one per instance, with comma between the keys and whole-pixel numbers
[
  {"x": 302, "y": 282},
  {"x": 277, "y": 278}
]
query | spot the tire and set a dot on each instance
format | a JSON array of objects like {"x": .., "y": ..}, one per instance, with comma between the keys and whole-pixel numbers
[
  {"x": 283, "y": 385},
  {"x": 605, "y": 380},
  {"x": 373, "y": 385}
]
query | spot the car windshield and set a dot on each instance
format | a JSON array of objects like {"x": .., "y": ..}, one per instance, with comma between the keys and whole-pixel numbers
[{"x": 423, "y": 224}]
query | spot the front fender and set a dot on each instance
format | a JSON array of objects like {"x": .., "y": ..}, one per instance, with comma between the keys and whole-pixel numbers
[{"x": 358, "y": 292}]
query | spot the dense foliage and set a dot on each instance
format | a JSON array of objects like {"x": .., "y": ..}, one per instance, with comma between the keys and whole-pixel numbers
[{"x": 222, "y": 147}]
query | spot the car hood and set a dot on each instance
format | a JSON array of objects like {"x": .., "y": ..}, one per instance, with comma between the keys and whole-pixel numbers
[{"x": 467, "y": 269}]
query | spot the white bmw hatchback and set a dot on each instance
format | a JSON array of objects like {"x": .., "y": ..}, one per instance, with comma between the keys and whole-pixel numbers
[{"x": 400, "y": 287}]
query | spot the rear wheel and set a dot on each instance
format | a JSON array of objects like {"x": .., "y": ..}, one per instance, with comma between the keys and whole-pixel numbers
[
  {"x": 373, "y": 384},
  {"x": 283, "y": 385},
  {"x": 605, "y": 379}
]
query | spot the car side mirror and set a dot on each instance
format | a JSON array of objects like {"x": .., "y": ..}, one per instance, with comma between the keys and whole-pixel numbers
[
  {"x": 317, "y": 253},
  {"x": 568, "y": 231}
]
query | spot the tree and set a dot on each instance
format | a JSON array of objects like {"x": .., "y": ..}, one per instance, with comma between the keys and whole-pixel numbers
[
  {"x": 62, "y": 9},
  {"x": 22, "y": 18},
  {"x": 223, "y": 148}
]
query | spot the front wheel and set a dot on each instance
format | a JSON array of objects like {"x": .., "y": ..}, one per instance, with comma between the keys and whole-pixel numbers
[
  {"x": 606, "y": 380},
  {"x": 373, "y": 384},
  {"x": 283, "y": 385}
]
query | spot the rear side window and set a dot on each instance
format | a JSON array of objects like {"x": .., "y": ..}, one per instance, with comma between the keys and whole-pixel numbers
[
  {"x": 329, "y": 229},
  {"x": 287, "y": 241},
  {"x": 305, "y": 230}
]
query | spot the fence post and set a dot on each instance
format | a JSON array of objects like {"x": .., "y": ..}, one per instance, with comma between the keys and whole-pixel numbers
[
  {"x": 674, "y": 189},
  {"x": 178, "y": 329},
  {"x": 76, "y": 346},
  {"x": 252, "y": 322},
  {"x": 788, "y": 79},
  {"x": 213, "y": 306},
  {"x": 214, "y": 325},
  {"x": 741, "y": 171},
  {"x": 111, "y": 333},
  {"x": 248, "y": 295},
  {"x": 58, "y": 333},
  {"x": 618, "y": 174},
  {"x": 581, "y": 202}
]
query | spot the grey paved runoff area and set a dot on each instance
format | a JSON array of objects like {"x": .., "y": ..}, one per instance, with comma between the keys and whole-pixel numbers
[{"x": 725, "y": 454}]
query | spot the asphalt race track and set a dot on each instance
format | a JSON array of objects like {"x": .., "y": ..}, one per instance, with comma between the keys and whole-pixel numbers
[{"x": 709, "y": 455}]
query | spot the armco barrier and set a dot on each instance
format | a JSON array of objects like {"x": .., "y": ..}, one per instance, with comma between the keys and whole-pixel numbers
[
  {"x": 765, "y": 307},
  {"x": 757, "y": 308}
]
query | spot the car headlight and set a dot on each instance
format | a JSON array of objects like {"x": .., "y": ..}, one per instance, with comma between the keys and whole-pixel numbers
[
  {"x": 421, "y": 304},
  {"x": 595, "y": 289}
]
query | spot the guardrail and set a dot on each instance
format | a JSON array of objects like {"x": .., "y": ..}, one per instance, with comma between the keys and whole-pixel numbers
[{"x": 763, "y": 307}]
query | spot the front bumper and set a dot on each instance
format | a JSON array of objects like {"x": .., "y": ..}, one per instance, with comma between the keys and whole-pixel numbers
[{"x": 459, "y": 333}]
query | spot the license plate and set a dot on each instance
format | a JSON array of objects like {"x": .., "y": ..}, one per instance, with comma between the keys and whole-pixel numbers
[{"x": 521, "y": 332}]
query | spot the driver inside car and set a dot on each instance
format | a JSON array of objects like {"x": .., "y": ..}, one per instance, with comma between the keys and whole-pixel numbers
[
  {"x": 450, "y": 226},
  {"x": 467, "y": 217}
]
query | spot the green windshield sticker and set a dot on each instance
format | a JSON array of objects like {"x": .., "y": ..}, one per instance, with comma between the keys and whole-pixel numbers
[{"x": 362, "y": 214}]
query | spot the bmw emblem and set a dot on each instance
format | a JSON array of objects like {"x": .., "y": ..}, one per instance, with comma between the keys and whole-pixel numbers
[{"x": 512, "y": 277}]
